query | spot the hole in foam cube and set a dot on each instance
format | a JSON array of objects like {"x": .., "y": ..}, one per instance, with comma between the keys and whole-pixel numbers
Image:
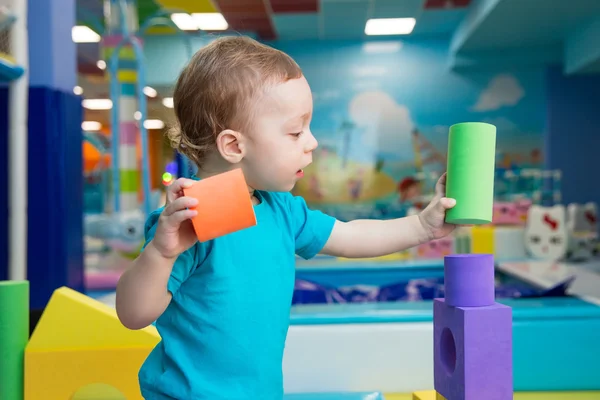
[{"x": 448, "y": 351}]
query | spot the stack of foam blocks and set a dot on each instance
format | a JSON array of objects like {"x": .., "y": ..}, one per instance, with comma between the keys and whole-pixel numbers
[{"x": 472, "y": 334}]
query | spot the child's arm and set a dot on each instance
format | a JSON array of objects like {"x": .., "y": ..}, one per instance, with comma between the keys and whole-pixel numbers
[
  {"x": 142, "y": 294},
  {"x": 372, "y": 238}
]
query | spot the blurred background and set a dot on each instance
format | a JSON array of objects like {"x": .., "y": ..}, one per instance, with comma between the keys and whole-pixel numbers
[{"x": 86, "y": 99}]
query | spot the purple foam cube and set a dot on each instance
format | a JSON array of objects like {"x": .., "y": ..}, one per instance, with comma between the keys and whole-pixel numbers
[
  {"x": 469, "y": 280},
  {"x": 473, "y": 352}
]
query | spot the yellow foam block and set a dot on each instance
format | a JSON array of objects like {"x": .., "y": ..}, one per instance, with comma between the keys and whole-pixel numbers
[
  {"x": 60, "y": 374},
  {"x": 427, "y": 395},
  {"x": 482, "y": 239},
  {"x": 80, "y": 342},
  {"x": 75, "y": 321}
]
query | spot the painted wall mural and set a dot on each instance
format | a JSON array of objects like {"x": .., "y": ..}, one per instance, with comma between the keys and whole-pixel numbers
[{"x": 382, "y": 111}]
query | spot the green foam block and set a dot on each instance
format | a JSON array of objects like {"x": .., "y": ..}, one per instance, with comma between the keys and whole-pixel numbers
[
  {"x": 14, "y": 335},
  {"x": 470, "y": 172}
]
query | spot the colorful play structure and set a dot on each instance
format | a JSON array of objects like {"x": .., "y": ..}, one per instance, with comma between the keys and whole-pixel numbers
[
  {"x": 435, "y": 348},
  {"x": 115, "y": 215},
  {"x": 465, "y": 342}
]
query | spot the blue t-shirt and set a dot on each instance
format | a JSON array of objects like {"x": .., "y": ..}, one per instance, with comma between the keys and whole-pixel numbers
[{"x": 223, "y": 334}]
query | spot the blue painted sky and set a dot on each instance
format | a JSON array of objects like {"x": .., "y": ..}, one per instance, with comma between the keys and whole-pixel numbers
[{"x": 387, "y": 88}]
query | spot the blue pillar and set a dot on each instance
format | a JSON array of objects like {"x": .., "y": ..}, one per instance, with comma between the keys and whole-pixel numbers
[
  {"x": 572, "y": 139},
  {"x": 55, "y": 189}
]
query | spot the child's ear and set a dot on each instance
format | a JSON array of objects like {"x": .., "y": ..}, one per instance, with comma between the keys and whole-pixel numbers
[{"x": 229, "y": 144}]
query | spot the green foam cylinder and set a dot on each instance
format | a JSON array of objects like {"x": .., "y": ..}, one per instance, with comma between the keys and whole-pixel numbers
[
  {"x": 14, "y": 335},
  {"x": 470, "y": 173}
]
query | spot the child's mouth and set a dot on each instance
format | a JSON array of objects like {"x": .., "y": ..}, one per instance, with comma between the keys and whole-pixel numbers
[{"x": 300, "y": 173}]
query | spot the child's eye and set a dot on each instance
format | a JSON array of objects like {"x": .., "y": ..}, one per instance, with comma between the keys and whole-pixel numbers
[{"x": 297, "y": 134}]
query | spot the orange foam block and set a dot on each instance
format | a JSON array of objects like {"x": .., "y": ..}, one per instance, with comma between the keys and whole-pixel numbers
[{"x": 224, "y": 205}]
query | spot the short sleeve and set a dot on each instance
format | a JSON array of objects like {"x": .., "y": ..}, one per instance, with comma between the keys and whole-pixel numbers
[
  {"x": 185, "y": 263},
  {"x": 312, "y": 228}
]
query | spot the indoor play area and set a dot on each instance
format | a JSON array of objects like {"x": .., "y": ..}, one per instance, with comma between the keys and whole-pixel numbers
[{"x": 498, "y": 94}]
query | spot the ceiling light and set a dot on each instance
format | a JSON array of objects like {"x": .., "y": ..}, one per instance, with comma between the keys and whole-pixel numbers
[
  {"x": 91, "y": 126},
  {"x": 78, "y": 90},
  {"x": 185, "y": 22},
  {"x": 101, "y": 64},
  {"x": 150, "y": 92},
  {"x": 168, "y": 102},
  {"x": 154, "y": 124},
  {"x": 83, "y": 34},
  {"x": 210, "y": 21},
  {"x": 97, "y": 104},
  {"x": 390, "y": 26}
]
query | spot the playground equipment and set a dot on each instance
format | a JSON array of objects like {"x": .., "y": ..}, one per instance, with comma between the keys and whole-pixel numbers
[
  {"x": 79, "y": 349},
  {"x": 122, "y": 227},
  {"x": 470, "y": 180},
  {"x": 472, "y": 333},
  {"x": 14, "y": 61},
  {"x": 95, "y": 348},
  {"x": 96, "y": 163}
]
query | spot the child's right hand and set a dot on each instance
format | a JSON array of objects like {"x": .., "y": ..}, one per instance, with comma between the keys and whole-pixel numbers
[{"x": 175, "y": 233}]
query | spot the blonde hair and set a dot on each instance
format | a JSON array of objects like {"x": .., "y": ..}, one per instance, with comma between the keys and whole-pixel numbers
[{"x": 216, "y": 89}]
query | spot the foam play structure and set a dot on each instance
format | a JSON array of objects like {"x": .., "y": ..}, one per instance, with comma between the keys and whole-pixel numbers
[
  {"x": 78, "y": 342},
  {"x": 472, "y": 333},
  {"x": 14, "y": 333},
  {"x": 80, "y": 350},
  {"x": 470, "y": 180}
]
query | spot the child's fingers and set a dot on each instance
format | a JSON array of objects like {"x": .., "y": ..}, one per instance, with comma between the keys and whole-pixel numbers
[
  {"x": 175, "y": 189},
  {"x": 447, "y": 202},
  {"x": 180, "y": 204},
  {"x": 179, "y": 216},
  {"x": 440, "y": 186}
]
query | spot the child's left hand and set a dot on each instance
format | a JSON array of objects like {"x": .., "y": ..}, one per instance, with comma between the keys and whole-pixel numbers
[{"x": 434, "y": 215}]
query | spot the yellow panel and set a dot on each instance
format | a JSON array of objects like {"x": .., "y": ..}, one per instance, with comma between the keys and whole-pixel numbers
[
  {"x": 60, "y": 374},
  {"x": 161, "y": 30},
  {"x": 125, "y": 53},
  {"x": 75, "y": 321},
  {"x": 7, "y": 57},
  {"x": 427, "y": 395},
  {"x": 191, "y": 6},
  {"x": 482, "y": 240},
  {"x": 127, "y": 76}
]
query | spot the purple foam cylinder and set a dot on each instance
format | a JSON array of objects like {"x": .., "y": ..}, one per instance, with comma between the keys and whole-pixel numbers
[
  {"x": 473, "y": 352},
  {"x": 469, "y": 280}
]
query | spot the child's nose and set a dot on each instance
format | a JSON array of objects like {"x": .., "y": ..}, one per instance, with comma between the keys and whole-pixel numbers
[{"x": 311, "y": 143}]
